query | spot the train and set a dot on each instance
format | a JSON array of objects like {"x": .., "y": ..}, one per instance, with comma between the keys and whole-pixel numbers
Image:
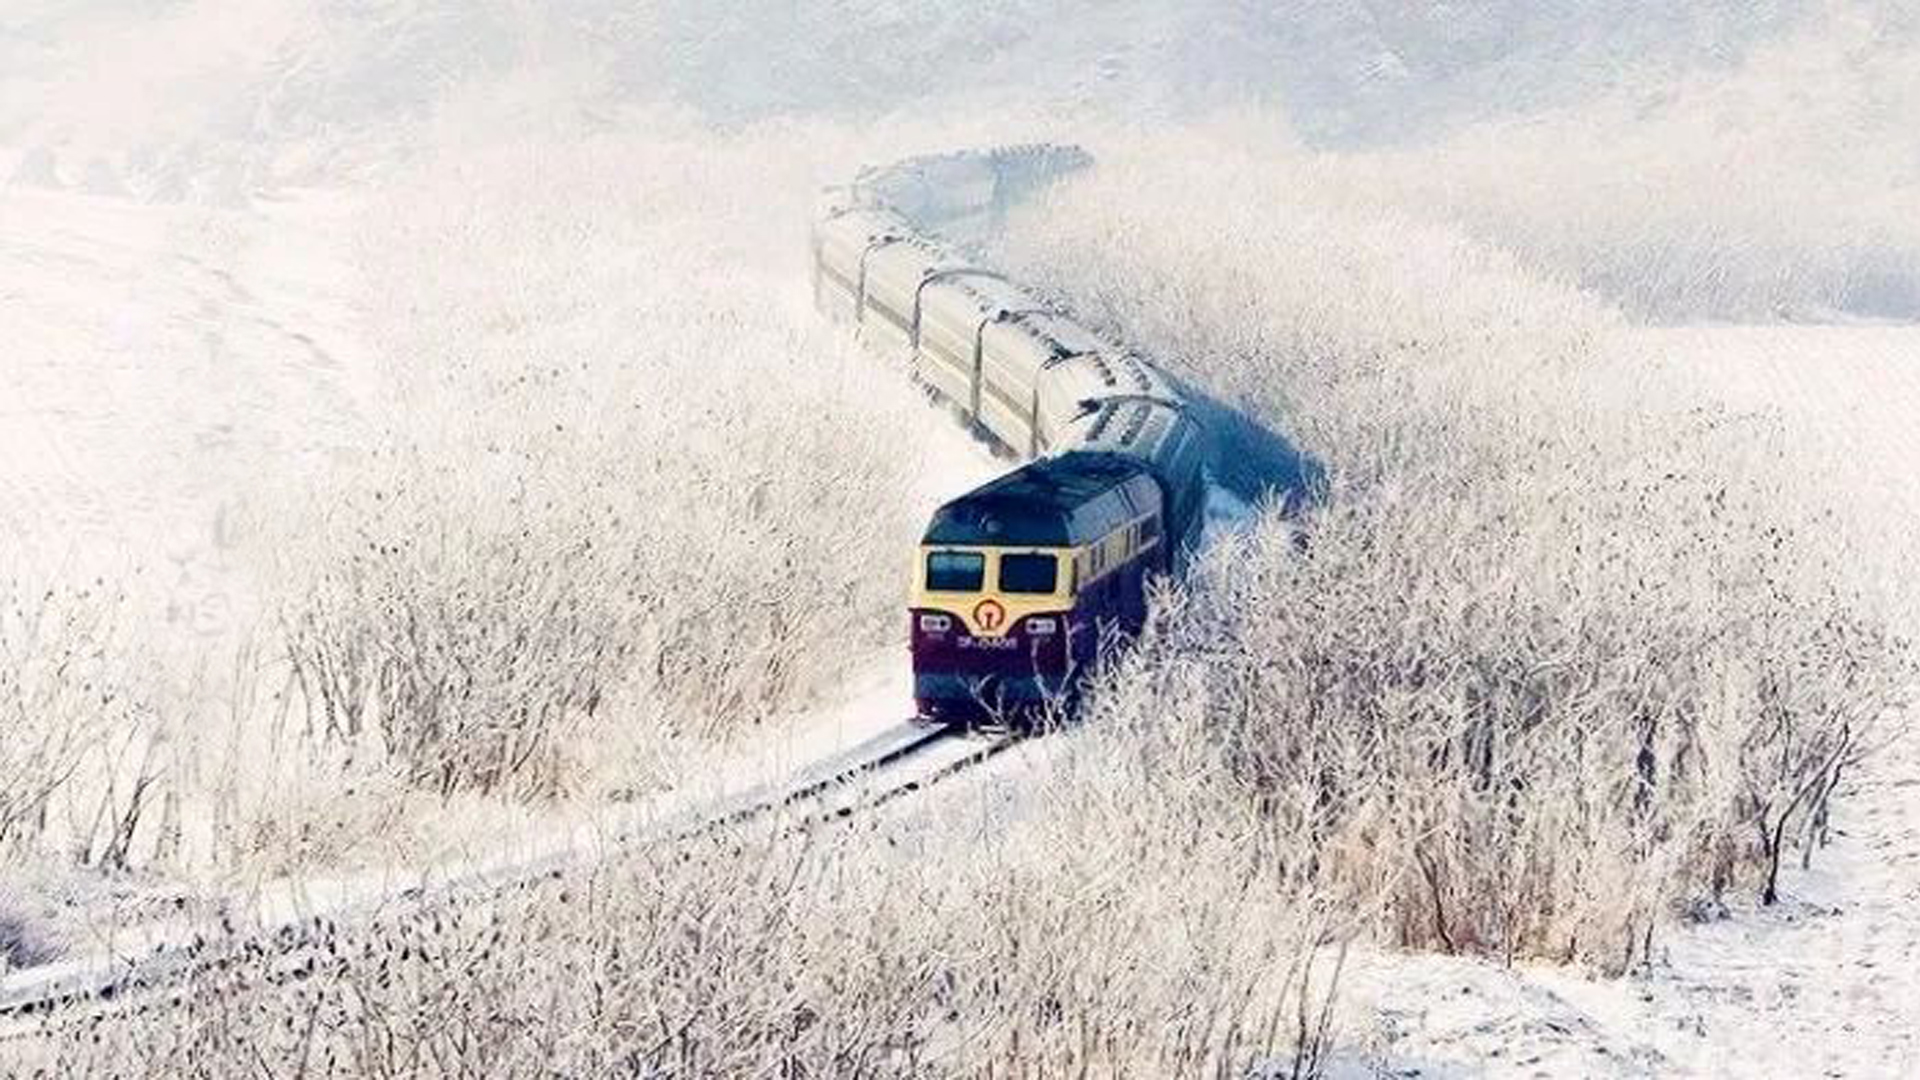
[{"x": 1019, "y": 586}]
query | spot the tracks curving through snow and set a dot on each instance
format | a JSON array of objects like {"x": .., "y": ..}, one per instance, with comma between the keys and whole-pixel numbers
[
  {"x": 908, "y": 758},
  {"x": 208, "y": 305}
]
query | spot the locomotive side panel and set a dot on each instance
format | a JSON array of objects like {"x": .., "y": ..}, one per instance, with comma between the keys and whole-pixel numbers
[{"x": 1163, "y": 437}]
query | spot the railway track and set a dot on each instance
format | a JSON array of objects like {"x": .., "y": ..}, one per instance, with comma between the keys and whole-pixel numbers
[{"x": 39, "y": 1001}]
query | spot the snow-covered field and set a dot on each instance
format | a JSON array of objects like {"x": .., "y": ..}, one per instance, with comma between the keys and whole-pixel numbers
[
  {"x": 161, "y": 359},
  {"x": 182, "y": 373},
  {"x": 1828, "y": 982},
  {"x": 279, "y": 279}
]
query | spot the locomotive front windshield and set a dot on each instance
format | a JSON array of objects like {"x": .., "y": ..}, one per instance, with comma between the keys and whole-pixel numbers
[
  {"x": 1029, "y": 573},
  {"x": 955, "y": 571}
]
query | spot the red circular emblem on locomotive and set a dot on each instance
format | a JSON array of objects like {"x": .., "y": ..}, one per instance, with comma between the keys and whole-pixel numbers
[{"x": 989, "y": 614}]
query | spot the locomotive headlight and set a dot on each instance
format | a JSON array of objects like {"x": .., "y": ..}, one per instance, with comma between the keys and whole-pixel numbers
[
  {"x": 1042, "y": 626},
  {"x": 934, "y": 624}
]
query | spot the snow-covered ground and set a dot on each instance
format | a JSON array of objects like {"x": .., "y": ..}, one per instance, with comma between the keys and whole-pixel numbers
[
  {"x": 1826, "y": 983},
  {"x": 163, "y": 362},
  {"x": 177, "y": 371},
  {"x": 83, "y": 941}
]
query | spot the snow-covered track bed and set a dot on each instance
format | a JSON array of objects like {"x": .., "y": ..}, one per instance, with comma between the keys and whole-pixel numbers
[
  {"x": 944, "y": 756},
  {"x": 902, "y": 760}
]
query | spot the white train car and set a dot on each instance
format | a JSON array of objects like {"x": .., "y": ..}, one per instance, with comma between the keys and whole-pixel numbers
[
  {"x": 896, "y": 271},
  {"x": 1038, "y": 382},
  {"x": 1071, "y": 393},
  {"x": 841, "y": 244},
  {"x": 1014, "y": 355},
  {"x": 955, "y": 310}
]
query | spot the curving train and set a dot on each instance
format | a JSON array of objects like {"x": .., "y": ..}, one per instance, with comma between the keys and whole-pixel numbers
[{"x": 1020, "y": 584}]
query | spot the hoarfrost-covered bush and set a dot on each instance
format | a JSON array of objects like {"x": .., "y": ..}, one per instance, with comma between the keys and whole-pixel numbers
[
  {"x": 83, "y": 757},
  {"x": 617, "y": 491},
  {"x": 1126, "y": 918},
  {"x": 606, "y": 491},
  {"x": 1565, "y": 643}
]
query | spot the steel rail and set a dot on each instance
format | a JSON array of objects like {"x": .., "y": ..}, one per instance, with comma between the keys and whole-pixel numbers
[{"x": 118, "y": 987}]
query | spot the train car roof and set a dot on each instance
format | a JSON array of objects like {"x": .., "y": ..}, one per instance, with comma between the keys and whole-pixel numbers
[
  {"x": 1059, "y": 501},
  {"x": 1062, "y": 336},
  {"x": 991, "y": 292}
]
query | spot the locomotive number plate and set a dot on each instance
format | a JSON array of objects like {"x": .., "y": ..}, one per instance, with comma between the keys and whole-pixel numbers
[{"x": 988, "y": 643}]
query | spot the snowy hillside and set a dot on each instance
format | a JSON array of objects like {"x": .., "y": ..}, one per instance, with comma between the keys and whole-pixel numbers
[
  {"x": 244, "y": 90},
  {"x": 416, "y": 442}
]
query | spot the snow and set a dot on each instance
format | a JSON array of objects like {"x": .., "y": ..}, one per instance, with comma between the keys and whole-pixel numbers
[
  {"x": 1849, "y": 391},
  {"x": 875, "y": 715},
  {"x": 158, "y": 357},
  {"x": 1826, "y": 983},
  {"x": 173, "y": 368},
  {"x": 177, "y": 305}
]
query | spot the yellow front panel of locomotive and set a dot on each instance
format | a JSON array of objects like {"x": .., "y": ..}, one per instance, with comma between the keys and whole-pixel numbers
[{"x": 991, "y": 612}]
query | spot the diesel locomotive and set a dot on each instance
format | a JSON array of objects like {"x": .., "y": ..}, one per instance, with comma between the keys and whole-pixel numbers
[{"x": 1019, "y": 585}]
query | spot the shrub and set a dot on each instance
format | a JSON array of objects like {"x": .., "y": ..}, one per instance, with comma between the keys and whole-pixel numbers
[
  {"x": 1135, "y": 927},
  {"x": 615, "y": 492},
  {"x": 83, "y": 754},
  {"x": 1566, "y": 641}
]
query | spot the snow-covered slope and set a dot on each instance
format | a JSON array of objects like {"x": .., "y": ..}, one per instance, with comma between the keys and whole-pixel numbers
[
  {"x": 204, "y": 98},
  {"x": 1681, "y": 158},
  {"x": 1345, "y": 71},
  {"x": 158, "y": 357},
  {"x": 1828, "y": 982}
]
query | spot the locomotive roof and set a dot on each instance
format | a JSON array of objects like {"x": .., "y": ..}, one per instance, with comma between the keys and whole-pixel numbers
[{"x": 1059, "y": 501}]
